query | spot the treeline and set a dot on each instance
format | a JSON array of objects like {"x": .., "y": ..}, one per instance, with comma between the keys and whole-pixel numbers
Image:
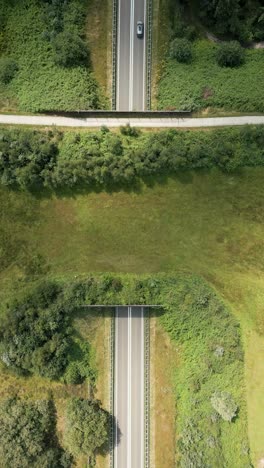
[
  {"x": 31, "y": 159},
  {"x": 230, "y": 19},
  {"x": 243, "y": 20}
]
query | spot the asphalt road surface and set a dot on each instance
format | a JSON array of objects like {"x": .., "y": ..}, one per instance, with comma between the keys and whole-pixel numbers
[
  {"x": 129, "y": 388},
  {"x": 130, "y": 86}
]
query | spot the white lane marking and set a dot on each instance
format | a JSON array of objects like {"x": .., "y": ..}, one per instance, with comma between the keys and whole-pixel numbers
[
  {"x": 144, "y": 54},
  {"x": 116, "y": 387},
  {"x": 118, "y": 56},
  {"x": 129, "y": 419},
  {"x": 142, "y": 387},
  {"x": 131, "y": 63}
]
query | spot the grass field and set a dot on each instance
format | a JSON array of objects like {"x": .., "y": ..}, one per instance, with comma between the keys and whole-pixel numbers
[
  {"x": 206, "y": 223},
  {"x": 40, "y": 84},
  {"x": 204, "y": 84}
]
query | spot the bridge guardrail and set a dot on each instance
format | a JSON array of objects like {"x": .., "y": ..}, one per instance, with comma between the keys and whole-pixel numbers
[
  {"x": 97, "y": 114},
  {"x": 149, "y": 54},
  {"x": 114, "y": 51},
  {"x": 111, "y": 388},
  {"x": 146, "y": 387}
]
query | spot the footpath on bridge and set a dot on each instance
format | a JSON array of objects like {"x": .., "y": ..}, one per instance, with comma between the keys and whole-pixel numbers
[{"x": 112, "y": 122}]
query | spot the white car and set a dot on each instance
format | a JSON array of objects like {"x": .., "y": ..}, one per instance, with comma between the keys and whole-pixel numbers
[{"x": 140, "y": 29}]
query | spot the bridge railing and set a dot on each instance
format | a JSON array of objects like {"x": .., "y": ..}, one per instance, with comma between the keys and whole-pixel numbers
[
  {"x": 114, "y": 51},
  {"x": 149, "y": 54},
  {"x": 146, "y": 389}
]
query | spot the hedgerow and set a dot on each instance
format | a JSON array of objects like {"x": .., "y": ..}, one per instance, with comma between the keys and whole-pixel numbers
[{"x": 32, "y": 159}]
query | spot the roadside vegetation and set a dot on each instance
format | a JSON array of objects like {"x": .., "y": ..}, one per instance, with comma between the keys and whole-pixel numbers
[
  {"x": 45, "y": 57},
  {"x": 200, "y": 71}
]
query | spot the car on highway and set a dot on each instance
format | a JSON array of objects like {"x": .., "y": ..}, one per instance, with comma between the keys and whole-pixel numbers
[{"x": 140, "y": 29}]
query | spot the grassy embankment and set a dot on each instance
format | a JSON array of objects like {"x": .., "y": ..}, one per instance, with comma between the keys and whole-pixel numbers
[
  {"x": 203, "y": 86},
  {"x": 40, "y": 84},
  {"x": 205, "y": 222}
]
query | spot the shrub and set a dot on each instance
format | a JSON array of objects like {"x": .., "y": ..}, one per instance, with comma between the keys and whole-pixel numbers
[
  {"x": 129, "y": 131},
  {"x": 87, "y": 426},
  {"x": 28, "y": 435},
  {"x": 181, "y": 50},
  {"x": 72, "y": 374},
  {"x": 70, "y": 50},
  {"x": 26, "y": 157},
  {"x": 223, "y": 403},
  {"x": 8, "y": 69},
  {"x": 230, "y": 54}
]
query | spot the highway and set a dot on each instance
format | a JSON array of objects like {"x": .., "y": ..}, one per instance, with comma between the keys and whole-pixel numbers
[
  {"x": 129, "y": 388},
  {"x": 131, "y": 51}
]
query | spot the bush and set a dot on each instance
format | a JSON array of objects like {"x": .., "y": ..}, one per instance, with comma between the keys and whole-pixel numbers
[
  {"x": 181, "y": 50},
  {"x": 224, "y": 404},
  {"x": 72, "y": 374},
  {"x": 26, "y": 158},
  {"x": 8, "y": 69},
  {"x": 87, "y": 427},
  {"x": 70, "y": 50},
  {"x": 230, "y": 54},
  {"x": 129, "y": 131},
  {"x": 28, "y": 435}
]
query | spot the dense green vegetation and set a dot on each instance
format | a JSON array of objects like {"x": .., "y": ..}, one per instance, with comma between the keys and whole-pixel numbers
[
  {"x": 240, "y": 19},
  {"x": 37, "y": 338},
  {"x": 203, "y": 83},
  {"x": 87, "y": 427},
  {"x": 46, "y": 42},
  {"x": 207, "y": 80},
  {"x": 28, "y": 435},
  {"x": 198, "y": 322},
  {"x": 31, "y": 159}
]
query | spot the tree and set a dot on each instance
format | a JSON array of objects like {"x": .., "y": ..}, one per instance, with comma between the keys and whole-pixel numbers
[
  {"x": 224, "y": 405},
  {"x": 8, "y": 69},
  {"x": 35, "y": 337},
  {"x": 28, "y": 435},
  {"x": 181, "y": 50},
  {"x": 70, "y": 50},
  {"x": 87, "y": 426},
  {"x": 230, "y": 54},
  {"x": 221, "y": 14}
]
